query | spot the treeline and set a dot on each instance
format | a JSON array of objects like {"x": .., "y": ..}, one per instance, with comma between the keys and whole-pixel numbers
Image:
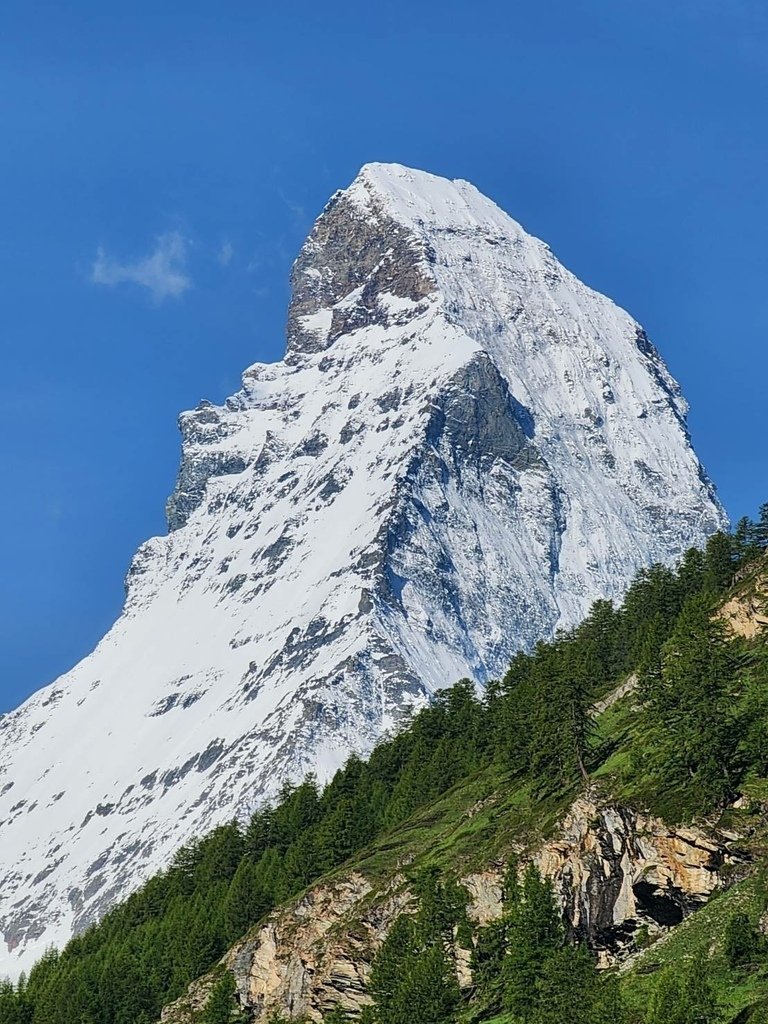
[{"x": 536, "y": 724}]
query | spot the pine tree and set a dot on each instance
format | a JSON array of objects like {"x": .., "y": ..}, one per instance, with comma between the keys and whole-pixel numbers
[
  {"x": 691, "y": 573},
  {"x": 598, "y": 636},
  {"x": 718, "y": 562},
  {"x": 524, "y": 964},
  {"x": 746, "y": 544},
  {"x": 583, "y": 670},
  {"x": 653, "y": 594},
  {"x": 689, "y": 712},
  {"x": 742, "y": 942},
  {"x": 246, "y": 901},
  {"x": 14, "y": 1008},
  {"x": 571, "y": 990},
  {"x": 413, "y": 976},
  {"x": 390, "y": 966},
  {"x": 684, "y": 995},
  {"x": 534, "y": 932},
  {"x": 760, "y": 533},
  {"x": 220, "y": 1008}
]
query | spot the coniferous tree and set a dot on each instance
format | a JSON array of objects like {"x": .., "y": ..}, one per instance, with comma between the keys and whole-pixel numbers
[
  {"x": 654, "y": 595},
  {"x": 14, "y": 1008},
  {"x": 247, "y": 900},
  {"x": 570, "y": 989},
  {"x": 753, "y": 712},
  {"x": 534, "y": 932},
  {"x": 718, "y": 562},
  {"x": 760, "y": 533},
  {"x": 220, "y": 1007},
  {"x": 525, "y": 965},
  {"x": 685, "y": 995},
  {"x": 689, "y": 710},
  {"x": 491, "y": 942},
  {"x": 413, "y": 976},
  {"x": 743, "y": 944},
  {"x": 582, "y": 671},
  {"x": 691, "y": 574},
  {"x": 745, "y": 541}
]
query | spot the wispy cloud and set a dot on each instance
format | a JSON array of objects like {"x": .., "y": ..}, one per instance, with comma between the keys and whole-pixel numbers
[
  {"x": 298, "y": 211},
  {"x": 225, "y": 254},
  {"x": 162, "y": 272}
]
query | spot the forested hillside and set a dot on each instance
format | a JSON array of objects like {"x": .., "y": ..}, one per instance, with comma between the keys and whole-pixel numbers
[{"x": 695, "y": 739}]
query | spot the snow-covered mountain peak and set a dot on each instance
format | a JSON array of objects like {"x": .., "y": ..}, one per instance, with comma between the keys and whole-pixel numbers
[
  {"x": 396, "y": 221},
  {"x": 463, "y": 447},
  {"x": 424, "y": 201}
]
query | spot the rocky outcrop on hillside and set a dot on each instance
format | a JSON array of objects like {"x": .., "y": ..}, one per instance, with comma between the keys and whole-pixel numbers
[
  {"x": 619, "y": 875},
  {"x": 617, "y": 871},
  {"x": 745, "y": 614}
]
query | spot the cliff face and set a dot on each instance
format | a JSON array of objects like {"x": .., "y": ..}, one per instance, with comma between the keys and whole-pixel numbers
[
  {"x": 614, "y": 871},
  {"x": 463, "y": 448}
]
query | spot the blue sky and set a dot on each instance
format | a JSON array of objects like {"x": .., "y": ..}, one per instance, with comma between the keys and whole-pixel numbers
[{"x": 162, "y": 162}]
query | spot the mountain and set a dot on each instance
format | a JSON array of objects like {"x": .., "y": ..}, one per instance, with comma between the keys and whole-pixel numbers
[{"x": 462, "y": 449}]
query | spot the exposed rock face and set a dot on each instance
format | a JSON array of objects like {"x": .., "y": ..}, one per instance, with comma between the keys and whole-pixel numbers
[
  {"x": 356, "y": 254},
  {"x": 746, "y": 613},
  {"x": 463, "y": 448},
  {"x": 311, "y": 957},
  {"x": 322, "y": 968},
  {"x": 614, "y": 872}
]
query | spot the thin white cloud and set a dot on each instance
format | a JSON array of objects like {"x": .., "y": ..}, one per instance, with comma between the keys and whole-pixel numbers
[
  {"x": 162, "y": 272},
  {"x": 225, "y": 254},
  {"x": 296, "y": 208}
]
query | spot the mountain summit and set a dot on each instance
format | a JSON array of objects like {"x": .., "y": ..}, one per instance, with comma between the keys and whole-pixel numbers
[{"x": 462, "y": 449}]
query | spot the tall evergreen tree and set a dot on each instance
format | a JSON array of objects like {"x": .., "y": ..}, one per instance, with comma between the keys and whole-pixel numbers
[
  {"x": 760, "y": 533},
  {"x": 534, "y": 932},
  {"x": 413, "y": 977},
  {"x": 570, "y": 990},
  {"x": 718, "y": 562},
  {"x": 689, "y": 711},
  {"x": 685, "y": 995},
  {"x": 220, "y": 1007}
]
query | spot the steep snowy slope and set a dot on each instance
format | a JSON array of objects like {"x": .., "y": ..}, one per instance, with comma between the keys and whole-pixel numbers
[{"x": 463, "y": 447}]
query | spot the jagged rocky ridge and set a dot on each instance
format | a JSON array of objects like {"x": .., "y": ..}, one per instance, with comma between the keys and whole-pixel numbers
[{"x": 463, "y": 447}]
